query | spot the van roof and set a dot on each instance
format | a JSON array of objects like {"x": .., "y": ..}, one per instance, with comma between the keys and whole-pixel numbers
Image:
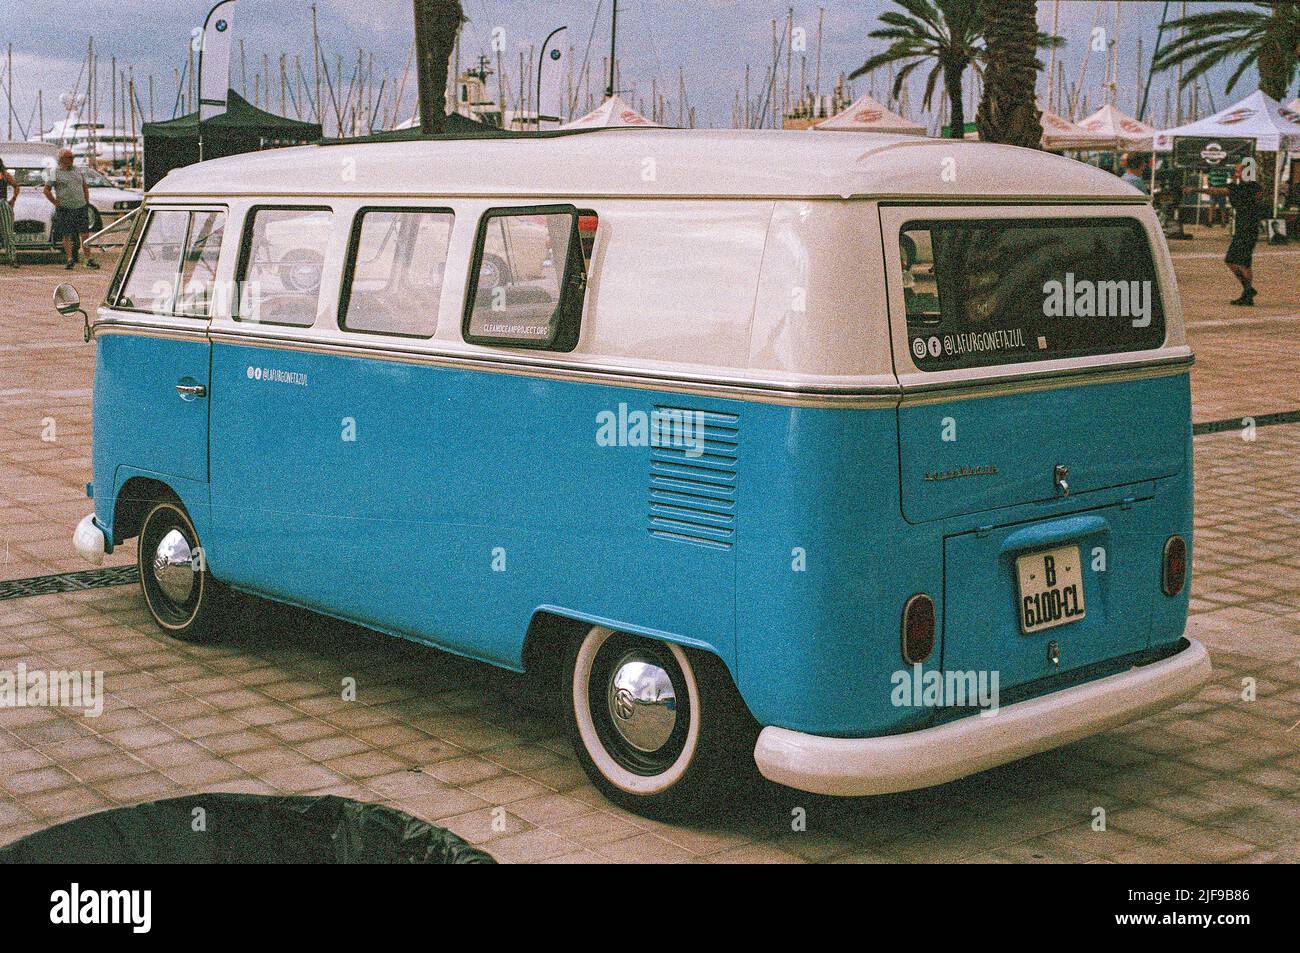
[{"x": 655, "y": 162}]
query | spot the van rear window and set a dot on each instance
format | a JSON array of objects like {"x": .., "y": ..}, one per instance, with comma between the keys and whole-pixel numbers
[
  {"x": 1003, "y": 291},
  {"x": 528, "y": 277}
]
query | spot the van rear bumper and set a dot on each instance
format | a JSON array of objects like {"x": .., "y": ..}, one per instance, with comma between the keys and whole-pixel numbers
[{"x": 919, "y": 759}]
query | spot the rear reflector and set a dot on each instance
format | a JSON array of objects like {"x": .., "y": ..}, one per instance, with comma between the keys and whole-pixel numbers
[
  {"x": 918, "y": 629},
  {"x": 1174, "y": 576}
]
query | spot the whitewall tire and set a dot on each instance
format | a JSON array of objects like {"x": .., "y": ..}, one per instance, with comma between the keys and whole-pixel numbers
[{"x": 657, "y": 727}]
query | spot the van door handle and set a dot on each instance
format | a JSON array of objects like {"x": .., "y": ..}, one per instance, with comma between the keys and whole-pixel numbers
[{"x": 191, "y": 390}]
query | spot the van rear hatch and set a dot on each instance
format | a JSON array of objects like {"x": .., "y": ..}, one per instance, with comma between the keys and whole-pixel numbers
[
  {"x": 1044, "y": 410},
  {"x": 1076, "y": 295}
]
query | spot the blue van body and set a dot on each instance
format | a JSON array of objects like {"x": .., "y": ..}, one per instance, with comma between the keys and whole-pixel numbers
[{"x": 398, "y": 530}]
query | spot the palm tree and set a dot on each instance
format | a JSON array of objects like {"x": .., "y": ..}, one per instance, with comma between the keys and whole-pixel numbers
[
  {"x": 1268, "y": 38},
  {"x": 946, "y": 32},
  {"x": 436, "y": 24},
  {"x": 1007, "y": 111}
]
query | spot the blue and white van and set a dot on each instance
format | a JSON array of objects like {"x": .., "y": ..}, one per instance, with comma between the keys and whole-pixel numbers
[{"x": 862, "y": 459}]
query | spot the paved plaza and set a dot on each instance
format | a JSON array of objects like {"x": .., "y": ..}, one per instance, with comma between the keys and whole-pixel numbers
[{"x": 464, "y": 746}]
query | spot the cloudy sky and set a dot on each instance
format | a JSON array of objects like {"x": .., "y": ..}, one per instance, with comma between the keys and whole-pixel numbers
[{"x": 710, "y": 40}]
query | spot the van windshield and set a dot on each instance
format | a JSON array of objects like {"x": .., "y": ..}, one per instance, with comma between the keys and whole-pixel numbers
[
  {"x": 30, "y": 177},
  {"x": 1003, "y": 291}
]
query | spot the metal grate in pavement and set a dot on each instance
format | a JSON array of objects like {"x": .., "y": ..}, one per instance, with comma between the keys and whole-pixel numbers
[
  {"x": 1236, "y": 423},
  {"x": 68, "y": 582}
]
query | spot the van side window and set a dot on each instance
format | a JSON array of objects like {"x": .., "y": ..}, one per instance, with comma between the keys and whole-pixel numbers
[
  {"x": 281, "y": 265},
  {"x": 528, "y": 277},
  {"x": 981, "y": 292},
  {"x": 150, "y": 286},
  {"x": 199, "y": 265},
  {"x": 395, "y": 272},
  {"x": 140, "y": 217}
]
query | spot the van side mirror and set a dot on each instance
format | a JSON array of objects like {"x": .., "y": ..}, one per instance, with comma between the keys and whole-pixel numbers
[{"x": 68, "y": 301}]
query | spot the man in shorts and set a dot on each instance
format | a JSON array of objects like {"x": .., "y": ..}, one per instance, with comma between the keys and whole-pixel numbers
[
  {"x": 1248, "y": 206},
  {"x": 68, "y": 192}
]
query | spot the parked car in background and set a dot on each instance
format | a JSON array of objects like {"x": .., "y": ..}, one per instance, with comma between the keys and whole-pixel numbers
[{"x": 31, "y": 163}]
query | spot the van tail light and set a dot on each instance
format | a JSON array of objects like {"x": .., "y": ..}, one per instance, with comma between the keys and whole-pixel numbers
[
  {"x": 1174, "y": 576},
  {"x": 918, "y": 629}
]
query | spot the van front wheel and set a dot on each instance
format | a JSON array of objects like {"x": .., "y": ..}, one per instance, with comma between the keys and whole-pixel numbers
[
  {"x": 179, "y": 592},
  {"x": 658, "y": 728}
]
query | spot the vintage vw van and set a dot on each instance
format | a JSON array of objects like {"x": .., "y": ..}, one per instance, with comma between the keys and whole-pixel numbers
[{"x": 862, "y": 459}]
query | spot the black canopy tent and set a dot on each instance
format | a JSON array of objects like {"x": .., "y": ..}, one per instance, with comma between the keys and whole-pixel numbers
[
  {"x": 241, "y": 128},
  {"x": 456, "y": 127}
]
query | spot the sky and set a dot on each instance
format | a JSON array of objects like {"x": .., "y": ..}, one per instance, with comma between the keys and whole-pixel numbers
[{"x": 711, "y": 41}]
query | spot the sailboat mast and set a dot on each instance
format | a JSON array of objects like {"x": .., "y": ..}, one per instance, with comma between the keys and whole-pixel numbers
[
  {"x": 613, "y": 44},
  {"x": 1051, "y": 62}
]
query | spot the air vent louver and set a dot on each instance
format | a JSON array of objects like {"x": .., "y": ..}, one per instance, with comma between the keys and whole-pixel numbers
[{"x": 693, "y": 476}]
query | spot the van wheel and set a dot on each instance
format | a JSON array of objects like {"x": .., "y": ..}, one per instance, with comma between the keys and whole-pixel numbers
[
  {"x": 302, "y": 270},
  {"x": 493, "y": 272},
  {"x": 657, "y": 728},
  {"x": 180, "y": 593}
]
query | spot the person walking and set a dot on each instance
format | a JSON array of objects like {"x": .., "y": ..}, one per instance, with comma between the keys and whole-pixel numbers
[
  {"x": 68, "y": 192},
  {"x": 1135, "y": 172},
  {"x": 8, "y": 236},
  {"x": 1248, "y": 211}
]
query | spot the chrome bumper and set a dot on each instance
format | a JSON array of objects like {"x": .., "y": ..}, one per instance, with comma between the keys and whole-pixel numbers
[
  {"x": 88, "y": 540},
  {"x": 919, "y": 759}
]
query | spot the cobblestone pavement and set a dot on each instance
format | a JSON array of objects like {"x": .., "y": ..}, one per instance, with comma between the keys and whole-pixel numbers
[{"x": 451, "y": 741}]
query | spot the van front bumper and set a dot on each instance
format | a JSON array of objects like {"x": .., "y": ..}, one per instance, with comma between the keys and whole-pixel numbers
[
  {"x": 919, "y": 759},
  {"x": 89, "y": 542}
]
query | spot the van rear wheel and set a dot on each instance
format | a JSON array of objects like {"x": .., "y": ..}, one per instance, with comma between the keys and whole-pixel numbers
[
  {"x": 179, "y": 592},
  {"x": 659, "y": 729}
]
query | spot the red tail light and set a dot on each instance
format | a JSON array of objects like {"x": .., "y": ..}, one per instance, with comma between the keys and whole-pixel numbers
[
  {"x": 918, "y": 628},
  {"x": 1174, "y": 576}
]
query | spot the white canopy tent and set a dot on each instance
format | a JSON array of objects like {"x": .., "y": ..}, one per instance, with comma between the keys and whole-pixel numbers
[
  {"x": 1113, "y": 130},
  {"x": 614, "y": 111},
  {"x": 1259, "y": 116},
  {"x": 865, "y": 114},
  {"x": 1274, "y": 128},
  {"x": 1059, "y": 134}
]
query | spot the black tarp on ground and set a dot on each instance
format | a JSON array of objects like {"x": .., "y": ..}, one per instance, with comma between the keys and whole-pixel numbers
[
  {"x": 245, "y": 829},
  {"x": 241, "y": 128}
]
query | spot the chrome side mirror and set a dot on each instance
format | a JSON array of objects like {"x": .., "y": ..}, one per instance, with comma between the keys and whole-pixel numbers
[{"x": 66, "y": 299}]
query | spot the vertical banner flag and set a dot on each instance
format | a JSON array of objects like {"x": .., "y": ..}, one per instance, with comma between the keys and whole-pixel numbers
[{"x": 214, "y": 60}]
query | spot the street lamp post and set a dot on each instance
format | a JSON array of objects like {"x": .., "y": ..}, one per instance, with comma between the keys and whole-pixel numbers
[{"x": 540, "y": 60}]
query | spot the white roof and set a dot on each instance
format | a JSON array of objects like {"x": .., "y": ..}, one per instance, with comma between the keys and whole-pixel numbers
[
  {"x": 653, "y": 162},
  {"x": 1258, "y": 116},
  {"x": 1118, "y": 131},
  {"x": 614, "y": 111},
  {"x": 865, "y": 114}
]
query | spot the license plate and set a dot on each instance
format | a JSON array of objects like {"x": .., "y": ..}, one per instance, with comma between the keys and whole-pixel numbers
[{"x": 1051, "y": 588}]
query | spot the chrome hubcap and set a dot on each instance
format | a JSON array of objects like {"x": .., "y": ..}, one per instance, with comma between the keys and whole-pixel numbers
[
  {"x": 642, "y": 703},
  {"x": 173, "y": 566}
]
